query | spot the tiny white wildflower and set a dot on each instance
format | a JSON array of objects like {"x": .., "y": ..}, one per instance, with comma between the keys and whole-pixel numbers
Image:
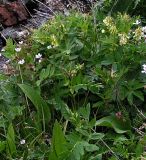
[
  {"x": 137, "y": 22},
  {"x": 0, "y": 54},
  {"x": 144, "y": 29},
  {"x": 66, "y": 12},
  {"x": 49, "y": 47},
  {"x": 102, "y": 31},
  {"x": 17, "y": 49},
  {"x": 144, "y": 35},
  {"x": 143, "y": 71},
  {"x": 23, "y": 33},
  {"x": 22, "y": 61},
  {"x": 20, "y": 33},
  {"x": 8, "y": 61},
  {"x": 40, "y": 60},
  {"x": 144, "y": 68},
  {"x": 21, "y": 42},
  {"x": 22, "y": 141},
  {"x": 38, "y": 56},
  {"x": 3, "y": 50}
]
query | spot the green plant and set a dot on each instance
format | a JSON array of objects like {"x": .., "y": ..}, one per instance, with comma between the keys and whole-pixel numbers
[{"x": 79, "y": 85}]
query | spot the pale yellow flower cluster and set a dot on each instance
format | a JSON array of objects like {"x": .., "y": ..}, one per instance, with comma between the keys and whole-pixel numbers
[
  {"x": 138, "y": 34},
  {"x": 125, "y": 17},
  {"x": 123, "y": 39},
  {"x": 108, "y": 21},
  {"x": 54, "y": 41},
  {"x": 113, "y": 29}
]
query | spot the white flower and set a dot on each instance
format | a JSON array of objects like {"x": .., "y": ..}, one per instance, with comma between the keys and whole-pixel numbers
[
  {"x": 40, "y": 60},
  {"x": 8, "y": 61},
  {"x": 38, "y": 56},
  {"x": 17, "y": 49},
  {"x": 0, "y": 54},
  {"x": 20, "y": 33},
  {"x": 21, "y": 42},
  {"x": 3, "y": 50},
  {"x": 23, "y": 33},
  {"x": 22, "y": 141},
  {"x": 137, "y": 22},
  {"x": 102, "y": 31},
  {"x": 144, "y": 68},
  {"x": 143, "y": 71},
  {"x": 49, "y": 47},
  {"x": 144, "y": 29},
  {"x": 66, "y": 12},
  {"x": 22, "y": 61}
]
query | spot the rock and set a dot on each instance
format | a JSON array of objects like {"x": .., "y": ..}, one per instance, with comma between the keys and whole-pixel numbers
[{"x": 12, "y": 13}]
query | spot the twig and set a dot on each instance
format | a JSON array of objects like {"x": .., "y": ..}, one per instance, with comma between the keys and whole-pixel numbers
[
  {"x": 28, "y": 10},
  {"x": 116, "y": 1},
  {"x": 41, "y": 15},
  {"x": 46, "y": 6},
  {"x": 110, "y": 149},
  {"x": 25, "y": 7},
  {"x": 138, "y": 131},
  {"x": 65, "y": 126},
  {"x": 44, "y": 13},
  {"x": 29, "y": 30},
  {"x": 140, "y": 112}
]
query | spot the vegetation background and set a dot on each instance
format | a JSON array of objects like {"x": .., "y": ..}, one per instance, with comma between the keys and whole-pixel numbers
[{"x": 75, "y": 89}]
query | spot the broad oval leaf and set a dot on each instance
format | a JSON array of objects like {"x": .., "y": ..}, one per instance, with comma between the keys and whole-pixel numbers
[
  {"x": 119, "y": 125},
  {"x": 11, "y": 147},
  {"x": 41, "y": 106}
]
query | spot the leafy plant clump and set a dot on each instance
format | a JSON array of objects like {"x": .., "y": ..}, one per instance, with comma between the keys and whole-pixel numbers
[{"x": 75, "y": 90}]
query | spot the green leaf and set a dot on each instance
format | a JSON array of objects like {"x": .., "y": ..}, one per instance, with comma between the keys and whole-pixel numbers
[
  {"x": 136, "y": 3},
  {"x": 73, "y": 57},
  {"x": 91, "y": 148},
  {"x": 97, "y": 157},
  {"x": 77, "y": 150},
  {"x": 14, "y": 111},
  {"x": 2, "y": 146},
  {"x": 46, "y": 73},
  {"x": 139, "y": 95},
  {"x": 139, "y": 149},
  {"x": 130, "y": 98},
  {"x": 58, "y": 143},
  {"x": 85, "y": 111},
  {"x": 137, "y": 85},
  {"x": 77, "y": 87},
  {"x": 11, "y": 147},
  {"x": 42, "y": 108},
  {"x": 119, "y": 125},
  {"x": 96, "y": 136},
  {"x": 10, "y": 49},
  {"x": 106, "y": 62}
]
